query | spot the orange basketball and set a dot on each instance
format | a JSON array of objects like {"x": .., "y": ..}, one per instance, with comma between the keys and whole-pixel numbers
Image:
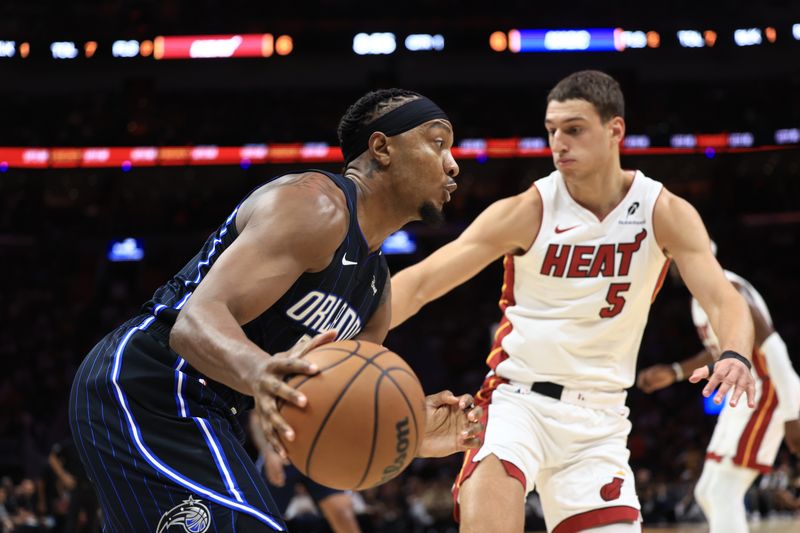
[{"x": 364, "y": 419}]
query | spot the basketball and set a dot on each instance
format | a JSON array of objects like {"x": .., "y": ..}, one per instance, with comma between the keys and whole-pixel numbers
[{"x": 364, "y": 419}]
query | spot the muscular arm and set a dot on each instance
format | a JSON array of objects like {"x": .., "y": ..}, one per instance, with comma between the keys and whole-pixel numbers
[
  {"x": 681, "y": 233},
  {"x": 289, "y": 230},
  {"x": 286, "y": 229},
  {"x": 506, "y": 226}
]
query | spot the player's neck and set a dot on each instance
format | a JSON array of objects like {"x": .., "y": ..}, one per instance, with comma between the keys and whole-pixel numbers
[
  {"x": 601, "y": 191},
  {"x": 378, "y": 215}
]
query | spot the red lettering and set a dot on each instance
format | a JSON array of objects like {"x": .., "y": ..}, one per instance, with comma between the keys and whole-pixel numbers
[
  {"x": 556, "y": 259},
  {"x": 627, "y": 250},
  {"x": 603, "y": 261},
  {"x": 581, "y": 257},
  {"x": 615, "y": 299}
]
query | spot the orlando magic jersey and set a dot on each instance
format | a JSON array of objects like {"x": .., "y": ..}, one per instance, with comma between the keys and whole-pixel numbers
[
  {"x": 342, "y": 297},
  {"x": 159, "y": 440}
]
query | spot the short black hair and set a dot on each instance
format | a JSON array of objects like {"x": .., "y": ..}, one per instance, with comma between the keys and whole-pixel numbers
[
  {"x": 597, "y": 88},
  {"x": 371, "y": 106}
]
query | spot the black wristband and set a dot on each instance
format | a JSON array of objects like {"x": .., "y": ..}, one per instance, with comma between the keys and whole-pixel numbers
[{"x": 730, "y": 354}]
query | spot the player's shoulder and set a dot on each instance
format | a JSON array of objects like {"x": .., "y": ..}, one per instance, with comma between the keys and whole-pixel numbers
[{"x": 310, "y": 202}]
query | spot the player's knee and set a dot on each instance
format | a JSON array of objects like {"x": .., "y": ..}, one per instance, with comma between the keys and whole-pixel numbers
[
  {"x": 703, "y": 493},
  {"x": 503, "y": 511}
]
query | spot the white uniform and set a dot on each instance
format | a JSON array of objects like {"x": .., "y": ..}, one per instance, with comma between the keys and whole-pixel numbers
[
  {"x": 575, "y": 307},
  {"x": 751, "y": 437},
  {"x": 745, "y": 441}
]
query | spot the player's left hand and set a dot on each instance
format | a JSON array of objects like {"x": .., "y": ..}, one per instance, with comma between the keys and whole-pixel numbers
[
  {"x": 728, "y": 373},
  {"x": 452, "y": 424},
  {"x": 792, "y": 436}
]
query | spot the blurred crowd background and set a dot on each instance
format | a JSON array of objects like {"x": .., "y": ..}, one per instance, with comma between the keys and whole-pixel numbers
[{"x": 60, "y": 293}]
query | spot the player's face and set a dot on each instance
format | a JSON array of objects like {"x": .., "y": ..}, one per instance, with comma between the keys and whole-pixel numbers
[
  {"x": 580, "y": 141},
  {"x": 427, "y": 168}
]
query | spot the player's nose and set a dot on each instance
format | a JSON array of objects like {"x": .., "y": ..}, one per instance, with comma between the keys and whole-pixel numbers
[{"x": 450, "y": 165}]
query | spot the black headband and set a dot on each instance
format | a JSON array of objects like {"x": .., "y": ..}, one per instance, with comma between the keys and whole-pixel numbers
[{"x": 394, "y": 122}]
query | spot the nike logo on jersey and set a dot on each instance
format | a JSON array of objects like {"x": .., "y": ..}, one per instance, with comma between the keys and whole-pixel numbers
[
  {"x": 562, "y": 230},
  {"x": 345, "y": 262}
]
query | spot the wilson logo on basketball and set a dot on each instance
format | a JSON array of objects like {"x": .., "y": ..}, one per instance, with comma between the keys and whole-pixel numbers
[
  {"x": 402, "y": 452},
  {"x": 611, "y": 490}
]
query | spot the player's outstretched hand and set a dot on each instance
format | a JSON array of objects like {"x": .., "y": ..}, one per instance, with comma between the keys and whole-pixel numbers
[
  {"x": 655, "y": 378},
  {"x": 268, "y": 386},
  {"x": 452, "y": 424},
  {"x": 728, "y": 374}
]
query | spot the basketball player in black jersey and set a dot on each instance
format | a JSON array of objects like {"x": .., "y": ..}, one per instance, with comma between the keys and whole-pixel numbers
[{"x": 153, "y": 406}]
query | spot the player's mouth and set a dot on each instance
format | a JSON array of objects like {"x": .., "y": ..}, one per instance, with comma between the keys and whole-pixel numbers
[
  {"x": 448, "y": 190},
  {"x": 565, "y": 161}
]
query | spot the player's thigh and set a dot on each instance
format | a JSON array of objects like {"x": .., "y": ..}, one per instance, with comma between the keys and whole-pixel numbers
[
  {"x": 492, "y": 500},
  {"x": 596, "y": 489}
]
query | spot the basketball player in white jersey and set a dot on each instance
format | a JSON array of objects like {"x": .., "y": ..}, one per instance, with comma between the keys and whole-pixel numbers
[
  {"x": 745, "y": 442},
  {"x": 585, "y": 249}
]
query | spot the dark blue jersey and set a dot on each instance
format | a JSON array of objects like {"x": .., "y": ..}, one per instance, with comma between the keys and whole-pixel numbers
[{"x": 343, "y": 296}]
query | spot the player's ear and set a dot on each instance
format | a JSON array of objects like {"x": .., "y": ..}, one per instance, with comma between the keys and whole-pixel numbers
[
  {"x": 379, "y": 148},
  {"x": 617, "y": 126}
]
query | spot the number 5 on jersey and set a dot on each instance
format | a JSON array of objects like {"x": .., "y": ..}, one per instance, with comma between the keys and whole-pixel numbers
[{"x": 615, "y": 299}]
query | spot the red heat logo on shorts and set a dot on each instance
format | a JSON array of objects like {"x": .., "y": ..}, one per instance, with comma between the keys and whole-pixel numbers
[{"x": 611, "y": 490}]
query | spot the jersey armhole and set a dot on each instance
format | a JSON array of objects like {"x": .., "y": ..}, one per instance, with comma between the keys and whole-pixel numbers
[
  {"x": 541, "y": 221},
  {"x": 658, "y": 248}
]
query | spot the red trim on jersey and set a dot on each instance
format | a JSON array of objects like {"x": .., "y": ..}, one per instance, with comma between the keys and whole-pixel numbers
[
  {"x": 483, "y": 399},
  {"x": 497, "y": 354},
  {"x": 760, "y": 364},
  {"x": 711, "y": 456},
  {"x": 653, "y": 214},
  {"x": 661, "y": 278},
  {"x": 541, "y": 219},
  {"x": 597, "y": 518},
  {"x": 753, "y": 434}
]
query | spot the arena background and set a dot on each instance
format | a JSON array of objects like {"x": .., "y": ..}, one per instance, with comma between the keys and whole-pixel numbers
[{"x": 713, "y": 113}]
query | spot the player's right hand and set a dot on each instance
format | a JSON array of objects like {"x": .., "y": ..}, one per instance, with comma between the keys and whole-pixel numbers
[
  {"x": 268, "y": 386},
  {"x": 655, "y": 378}
]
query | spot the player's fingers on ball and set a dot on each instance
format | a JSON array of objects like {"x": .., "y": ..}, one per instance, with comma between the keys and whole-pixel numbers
[
  {"x": 279, "y": 389},
  {"x": 318, "y": 340},
  {"x": 285, "y": 365},
  {"x": 281, "y": 426},
  {"x": 276, "y": 443}
]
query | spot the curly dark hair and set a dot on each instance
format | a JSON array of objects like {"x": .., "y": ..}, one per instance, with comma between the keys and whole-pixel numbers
[
  {"x": 597, "y": 88},
  {"x": 371, "y": 106}
]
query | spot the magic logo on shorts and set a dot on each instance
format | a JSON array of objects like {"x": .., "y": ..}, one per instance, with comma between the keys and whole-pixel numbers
[
  {"x": 319, "y": 311},
  {"x": 190, "y": 515}
]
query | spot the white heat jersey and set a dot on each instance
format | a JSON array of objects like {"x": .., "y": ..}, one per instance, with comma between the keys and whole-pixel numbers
[
  {"x": 576, "y": 303},
  {"x": 700, "y": 319}
]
